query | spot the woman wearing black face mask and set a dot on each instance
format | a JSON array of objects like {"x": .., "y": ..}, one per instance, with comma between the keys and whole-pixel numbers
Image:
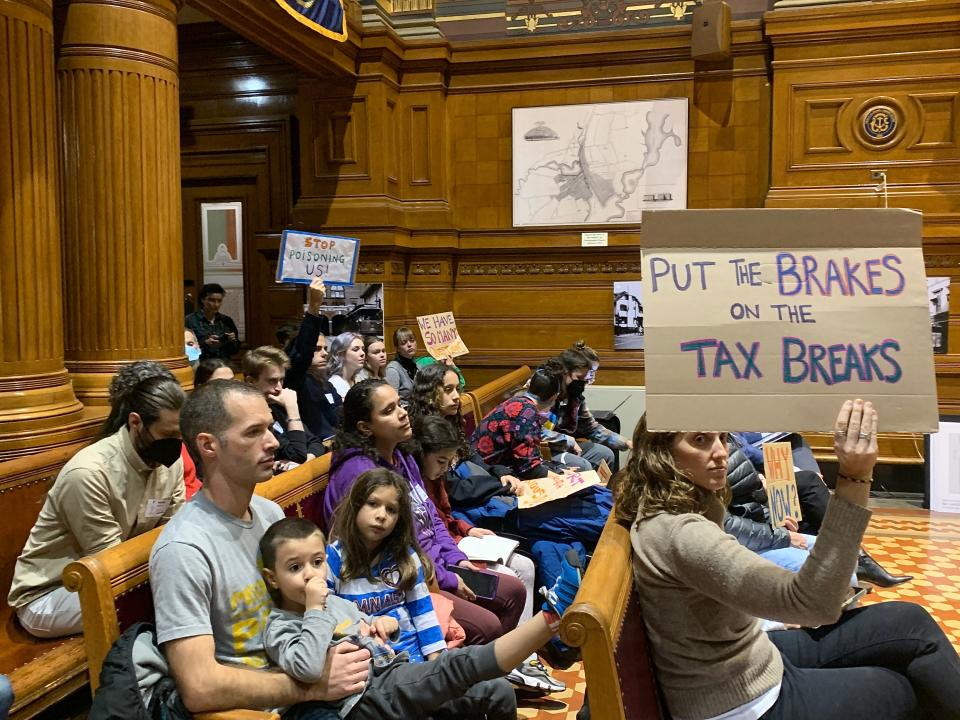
[
  {"x": 570, "y": 417},
  {"x": 120, "y": 486}
]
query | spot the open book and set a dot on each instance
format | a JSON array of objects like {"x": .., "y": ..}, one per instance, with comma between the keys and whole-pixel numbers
[{"x": 489, "y": 548}]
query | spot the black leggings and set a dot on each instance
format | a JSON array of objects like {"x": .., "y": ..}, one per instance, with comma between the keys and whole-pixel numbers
[{"x": 888, "y": 661}]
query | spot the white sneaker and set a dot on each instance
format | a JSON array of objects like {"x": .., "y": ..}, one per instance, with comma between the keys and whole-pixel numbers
[{"x": 532, "y": 676}]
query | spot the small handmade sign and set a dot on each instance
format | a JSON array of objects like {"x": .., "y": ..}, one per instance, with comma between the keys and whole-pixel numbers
[
  {"x": 305, "y": 256},
  {"x": 440, "y": 336},
  {"x": 604, "y": 472},
  {"x": 554, "y": 487},
  {"x": 782, "y": 496}
]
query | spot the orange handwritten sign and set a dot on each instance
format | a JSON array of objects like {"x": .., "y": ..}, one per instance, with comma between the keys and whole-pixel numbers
[
  {"x": 554, "y": 487},
  {"x": 782, "y": 496}
]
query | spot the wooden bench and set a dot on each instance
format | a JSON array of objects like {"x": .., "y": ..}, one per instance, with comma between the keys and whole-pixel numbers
[
  {"x": 486, "y": 397},
  {"x": 42, "y": 672},
  {"x": 605, "y": 622},
  {"x": 114, "y": 585}
]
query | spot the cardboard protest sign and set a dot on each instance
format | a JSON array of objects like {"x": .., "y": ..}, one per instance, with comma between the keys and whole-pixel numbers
[
  {"x": 604, "y": 472},
  {"x": 782, "y": 496},
  {"x": 554, "y": 487},
  {"x": 305, "y": 256},
  {"x": 440, "y": 336},
  {"x": 768, "y": 319}
]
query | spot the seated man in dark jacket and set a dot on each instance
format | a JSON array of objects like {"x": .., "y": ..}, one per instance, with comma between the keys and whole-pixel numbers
[
  {"x": 319, "y": 401},
  {"x": 265, "y": 368}
]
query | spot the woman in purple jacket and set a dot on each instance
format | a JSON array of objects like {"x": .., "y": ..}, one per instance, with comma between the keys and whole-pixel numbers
[{"x": 374, "y": 428}]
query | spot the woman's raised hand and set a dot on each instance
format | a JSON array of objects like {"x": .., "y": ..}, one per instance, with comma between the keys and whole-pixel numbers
[{"x": 855, "y": 439}]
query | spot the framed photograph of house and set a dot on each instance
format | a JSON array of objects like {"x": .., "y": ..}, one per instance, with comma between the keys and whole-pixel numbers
[
  {"x": 600, "y": 163},
  {"x": 938, "y": 295},
  {"x": 628, "y": 315}
]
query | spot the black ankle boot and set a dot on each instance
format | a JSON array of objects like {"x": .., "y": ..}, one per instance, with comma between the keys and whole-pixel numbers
[{"x": 869, "y": 570}]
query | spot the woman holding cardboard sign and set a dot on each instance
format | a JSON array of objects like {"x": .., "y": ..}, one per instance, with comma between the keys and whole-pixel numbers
[{"x": 702, "y": 592}]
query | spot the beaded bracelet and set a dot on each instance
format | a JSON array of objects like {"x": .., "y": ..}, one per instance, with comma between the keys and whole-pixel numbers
[{"x": 862, "y": 481}]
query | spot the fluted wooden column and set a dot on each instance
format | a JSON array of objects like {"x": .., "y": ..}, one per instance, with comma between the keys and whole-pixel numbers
[
  {"x": 119, "y": 104},
  {"x": 36, "y": 398}
]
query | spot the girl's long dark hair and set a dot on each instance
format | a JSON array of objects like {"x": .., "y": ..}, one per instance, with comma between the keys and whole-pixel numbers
[
  {"x": 357, "y": 408},
  {"x": 433, "y": 434},
  {"x": 357, "y": 559},
  {"x": 427, "y": 386}
]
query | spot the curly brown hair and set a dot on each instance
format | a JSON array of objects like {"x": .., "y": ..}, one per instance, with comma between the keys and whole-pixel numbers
[
  {"x": 357, "y": 559},
  {"x": 653, "y": 484},
  {"x": 425, "y": 398}
]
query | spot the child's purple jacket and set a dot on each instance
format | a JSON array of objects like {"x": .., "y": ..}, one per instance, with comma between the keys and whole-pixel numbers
[{"x": 432, "y": 534}]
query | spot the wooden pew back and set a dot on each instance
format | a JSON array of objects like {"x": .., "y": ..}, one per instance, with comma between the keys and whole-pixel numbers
[
  {"x": 605, "y": 622},
  {"x": 114, "y": 585},
  {"x": 486, "y": 397},
  {"x": 41, "y": 671}
]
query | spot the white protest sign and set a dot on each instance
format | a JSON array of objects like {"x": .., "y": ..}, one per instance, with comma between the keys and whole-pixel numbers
[
  {"x": 759, "y": 319},
  {"x": 305, "y": 256},
  {"x": 440, "y": 336}
]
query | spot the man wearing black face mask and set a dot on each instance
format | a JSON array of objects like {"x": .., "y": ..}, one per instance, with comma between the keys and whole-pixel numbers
[
  {"x": 560, "y": 431},
  {"x": 120, "y": 486}
]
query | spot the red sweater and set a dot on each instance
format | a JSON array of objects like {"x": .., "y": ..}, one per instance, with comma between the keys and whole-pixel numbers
[
  {"x": 191, "y": 482},
  {"x": 437, "y": 490}
]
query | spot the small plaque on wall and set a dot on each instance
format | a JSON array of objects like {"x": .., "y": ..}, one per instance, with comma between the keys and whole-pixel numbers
[{"x": 593, "y": 239}]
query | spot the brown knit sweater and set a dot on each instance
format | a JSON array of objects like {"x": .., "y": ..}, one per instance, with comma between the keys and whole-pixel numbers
[{"x": 701, "y": 593}]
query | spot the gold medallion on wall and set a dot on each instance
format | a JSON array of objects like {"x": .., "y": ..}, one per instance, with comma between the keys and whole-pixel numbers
[{"x": 879, "y": 123}]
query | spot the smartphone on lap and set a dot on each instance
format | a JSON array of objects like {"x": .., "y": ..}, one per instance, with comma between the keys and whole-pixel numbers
[{"x": 483, "y": 584}]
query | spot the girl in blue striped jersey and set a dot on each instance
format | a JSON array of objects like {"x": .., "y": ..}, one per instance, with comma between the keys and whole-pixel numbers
[{"x": 374, "y": 561}]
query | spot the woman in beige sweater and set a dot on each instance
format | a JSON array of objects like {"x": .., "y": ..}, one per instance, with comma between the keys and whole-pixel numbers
[{"x": 701, "y": 593}]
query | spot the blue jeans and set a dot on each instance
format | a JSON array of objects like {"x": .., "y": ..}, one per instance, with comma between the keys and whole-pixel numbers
[
  {"x": 792, "y": 559},
  {"x": 6, "y": 697}
]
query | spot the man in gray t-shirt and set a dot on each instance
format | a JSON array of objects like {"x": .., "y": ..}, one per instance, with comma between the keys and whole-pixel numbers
[
  {"x": 210, "y": 600},
  {"x": 205, "y": 578}
]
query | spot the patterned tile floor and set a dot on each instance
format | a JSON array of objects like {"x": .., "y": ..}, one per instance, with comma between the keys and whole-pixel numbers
[{"x": 905, "y": 541}]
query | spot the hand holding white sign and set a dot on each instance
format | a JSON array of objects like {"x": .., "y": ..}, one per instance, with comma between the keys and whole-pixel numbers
[{"x": 315, "y": 296}]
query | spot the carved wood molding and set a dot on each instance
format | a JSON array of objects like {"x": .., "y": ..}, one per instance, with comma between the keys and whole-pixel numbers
[
  {"x": 825, "y": 26},
  {"x": 370, "y": 268},
  {"x": 551, "y": 268},
  {"x": 942, "y": 261},
  {"x": 425, "y": 269}
]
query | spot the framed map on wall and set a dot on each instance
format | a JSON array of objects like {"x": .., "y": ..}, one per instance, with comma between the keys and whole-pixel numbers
[{"x": 600, "y": 163}]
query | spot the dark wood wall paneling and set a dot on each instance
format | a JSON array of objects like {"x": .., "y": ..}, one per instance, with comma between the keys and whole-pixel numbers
[
  {"x": 416, "y": 160},
  {"x": 413, "y": 155},
  {"x": 833, "y": 65},
  {"x": 239, "y": 143}
]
